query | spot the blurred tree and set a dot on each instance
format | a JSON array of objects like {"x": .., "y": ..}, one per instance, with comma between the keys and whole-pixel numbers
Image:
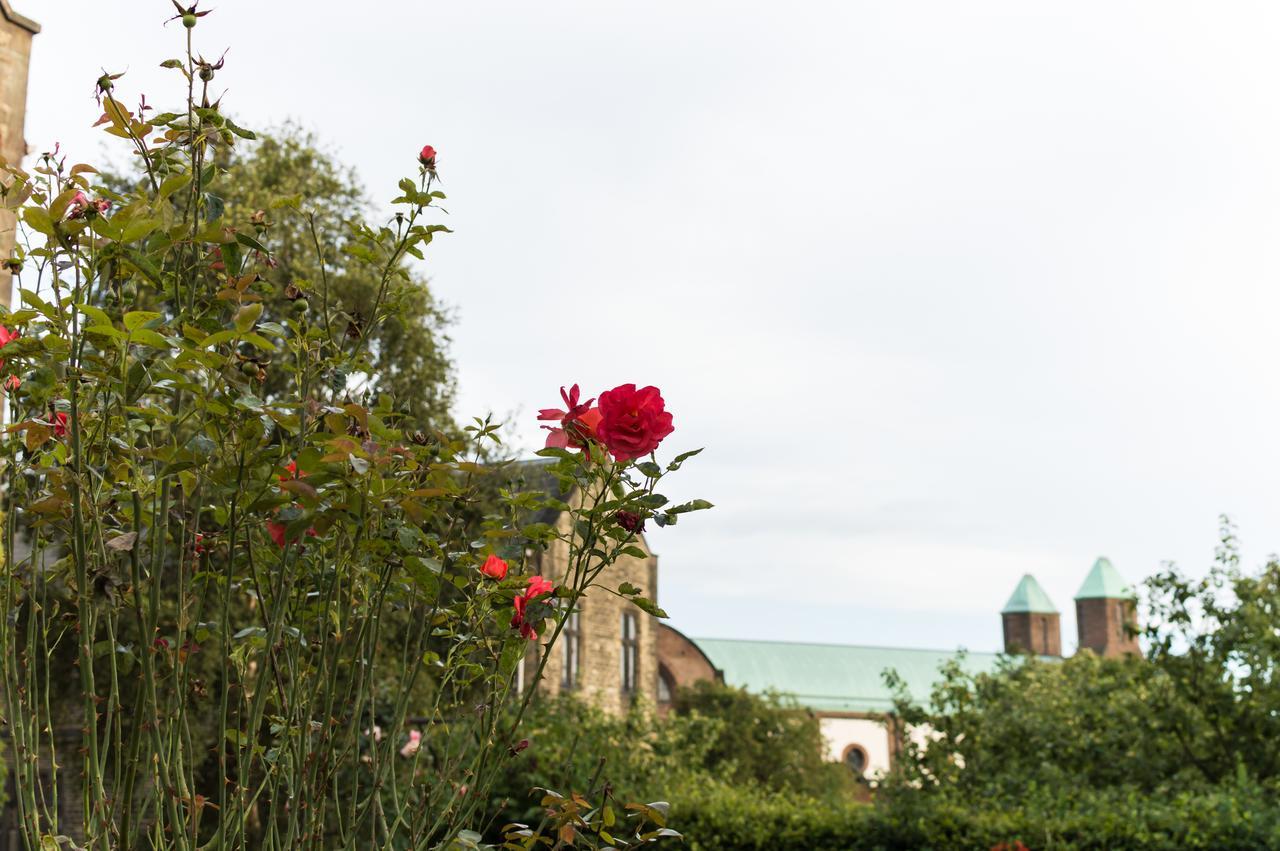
[{"x": 408, "y": 353}]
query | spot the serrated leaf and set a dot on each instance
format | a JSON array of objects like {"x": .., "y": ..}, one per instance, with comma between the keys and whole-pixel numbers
[{"x": 647, "y": 605}]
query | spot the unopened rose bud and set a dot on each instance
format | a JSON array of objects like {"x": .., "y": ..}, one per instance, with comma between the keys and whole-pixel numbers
[{"x": 427, "y": 156}]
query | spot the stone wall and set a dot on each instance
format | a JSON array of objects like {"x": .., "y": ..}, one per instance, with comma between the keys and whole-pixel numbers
[
  {"x": 599, "y": 677},
  {"x": 15, "y": 53}
]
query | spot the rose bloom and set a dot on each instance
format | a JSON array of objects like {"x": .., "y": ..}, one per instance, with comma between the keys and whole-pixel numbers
[
  {"x": 494, "y": 567},
  {"x": 578, "y": 422},
  {"x": 411, "y": 747},
  {"x": 427, "y": 156},
  {"x": 632, "y": 422},
  {"x": 60, "y": 424},
  {"x": 629, "y": 520},
  {"x": 7, "y": 337},
  {"x": 538, "y": 586}
]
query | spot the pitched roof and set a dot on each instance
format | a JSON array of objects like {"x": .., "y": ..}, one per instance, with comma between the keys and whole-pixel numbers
[
  {"x": 834, "y": 677},
  {"x": 1029, "y": 597},
  {"x": 21, "y": 20},
  {"x": 1104, "y": 582}
]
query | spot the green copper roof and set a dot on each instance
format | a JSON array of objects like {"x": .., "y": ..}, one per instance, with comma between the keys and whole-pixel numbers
[
  {"x": 1104, "y": 581},
  {"x": 1029, "y": 597},
  {"x": 833, "y": 677}
]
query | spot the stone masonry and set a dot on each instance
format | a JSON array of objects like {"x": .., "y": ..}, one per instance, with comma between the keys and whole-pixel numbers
[
  {"x": 599, "y": 677},
  {"x": 15, "y": 53}
]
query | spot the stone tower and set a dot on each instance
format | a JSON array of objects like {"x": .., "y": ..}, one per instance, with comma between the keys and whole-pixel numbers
[
  {"x": 15, "y": 52},
  {"x": 1031, "y": 623},
  {"x": 1106, "y": 612}
]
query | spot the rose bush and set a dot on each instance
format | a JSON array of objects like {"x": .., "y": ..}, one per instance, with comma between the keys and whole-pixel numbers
[{"x": 290, "y": 622}]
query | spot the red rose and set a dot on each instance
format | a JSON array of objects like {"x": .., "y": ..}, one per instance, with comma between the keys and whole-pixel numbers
[
  {"x": 632, "y": 422},
  {"x": 7, "y": 337},
  {"x": 60, "y": 424},
  {"x": 494, "y": 568},
  {"x": 427, "y": 156},
  {"x": 630, "y": 521},
  {"x": 276, "y": 531},
  {"x": 538, "y": 586},
  {"x": 578, "y": 422}
]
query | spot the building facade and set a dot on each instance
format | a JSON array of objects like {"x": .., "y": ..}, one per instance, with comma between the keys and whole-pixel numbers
[
  {"x": 16, "y": 33},
  {"x": 845, "y": 687},
  {"x": 607, "y": 653}
]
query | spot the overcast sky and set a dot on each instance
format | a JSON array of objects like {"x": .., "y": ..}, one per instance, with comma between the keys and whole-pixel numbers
[{"x": 950, "y": 291}]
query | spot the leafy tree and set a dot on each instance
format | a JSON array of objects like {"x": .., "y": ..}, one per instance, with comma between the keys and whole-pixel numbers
[
  {"x": 261, "y": 184},
  {"x": 765, "y": 740}
]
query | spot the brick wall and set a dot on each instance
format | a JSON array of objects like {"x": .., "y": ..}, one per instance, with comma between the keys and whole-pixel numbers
[
  {"x": 1033, "y": 632},
  {"x": 683, "y": 662},
  {"x": 1101, "y": 623}
]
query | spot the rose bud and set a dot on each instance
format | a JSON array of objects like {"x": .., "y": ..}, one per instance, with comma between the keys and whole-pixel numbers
[{"x": 629, "y": 520}]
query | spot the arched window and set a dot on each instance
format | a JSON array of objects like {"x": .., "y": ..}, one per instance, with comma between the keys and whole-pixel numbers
[
  {"x": 571, "y": 639},
  {"x": 630, "y": 651},
  {"x": 855, "y": 758},
  {"x": 666, "y": 686}
]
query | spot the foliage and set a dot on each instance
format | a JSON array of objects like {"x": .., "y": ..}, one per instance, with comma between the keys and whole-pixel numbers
[
  {"x": 766, "y": 741},
  {"x": 643, "y": 755},
  {"x": 1216, "y": 641},
  {"x": 264, "y": 579},
  {"x": 1235, "y": 817},
  {"x": 311, "y": 259}
]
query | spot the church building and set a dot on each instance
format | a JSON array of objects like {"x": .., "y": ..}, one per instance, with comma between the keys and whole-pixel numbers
[{"x": 844, "y": 685}]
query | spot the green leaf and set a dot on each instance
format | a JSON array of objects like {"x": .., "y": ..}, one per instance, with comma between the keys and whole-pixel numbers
[
  {"x": 240, "y": 131},
  {"x": 680, "y": 459},
  {"x": 135, "y": 319},
  {"x": 38, "y": 218},
  {"x": 174, "y": 182},
  {"x": 217, "y": 338},
  {"x": 106, "y": 331},
  {"x": 97, "y": 316},
  {"x": 259, "y": 341},
  {"x": 147, "y": 337},
  {"x": 694, "y": 505},
  {"x": 647, "y": 605},
  {"x": 650, "y": 469},
  {"x": 248, "y": 315},
  {"x": 245, "y": 239}
]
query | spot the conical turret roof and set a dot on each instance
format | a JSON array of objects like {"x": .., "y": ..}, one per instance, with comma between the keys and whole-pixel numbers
[
  {"x": 1104, "y": 582},
  {"x": 1029, "y": 597}
]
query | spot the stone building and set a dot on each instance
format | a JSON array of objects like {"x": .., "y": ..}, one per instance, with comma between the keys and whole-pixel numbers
[
  {"x": 16, "y": 32},
  {"x": 844, "y": 686},
  {"x": 608, "y": 652}
]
